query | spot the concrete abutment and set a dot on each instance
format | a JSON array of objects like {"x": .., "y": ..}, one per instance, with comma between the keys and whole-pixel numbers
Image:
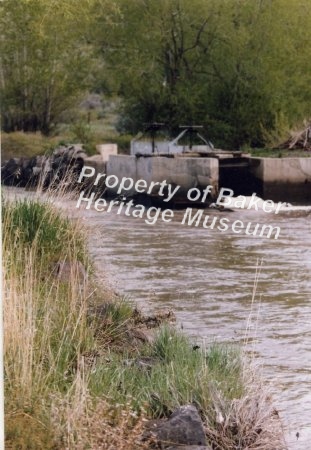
[{"x": 278, "y": 179}]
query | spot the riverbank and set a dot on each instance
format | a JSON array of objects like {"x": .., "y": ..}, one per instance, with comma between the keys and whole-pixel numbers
[
  {"x": 29, "y": 145},
  {"x": 85, "y": 369}
]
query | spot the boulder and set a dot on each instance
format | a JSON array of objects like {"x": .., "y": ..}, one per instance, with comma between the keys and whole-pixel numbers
[
  {"x": 135, "y": 334},
  {"x": 69, "y": 151},
  {"x": 11, "y": 171},
  {"x": 44, "y": 170},
  {"x": 183, "y": 427},
  {"x": 75, "y": 151}
]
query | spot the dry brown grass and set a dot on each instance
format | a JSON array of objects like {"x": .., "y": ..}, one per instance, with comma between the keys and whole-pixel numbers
[
  {"x": 45, "y": 323},
  {"x": 81, "y": 421},
  {"x": 248, "y": 423}
]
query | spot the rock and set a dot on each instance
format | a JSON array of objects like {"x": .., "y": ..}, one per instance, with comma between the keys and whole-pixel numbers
[
  {"x": 75, "y": 151},
  {"x": 136, "y": 334},
  {"x": 41, "y": 168},
  {"x": 184, "y": 427},
  {"x": 44, "y": 170},
  {"x": 69, "y": 151},
  {"x": 11, "y": 172},
  {"x": 59, "y": 151}
]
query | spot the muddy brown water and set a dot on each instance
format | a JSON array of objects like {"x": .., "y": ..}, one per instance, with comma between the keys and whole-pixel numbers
[{"x": 207, "y": 278}]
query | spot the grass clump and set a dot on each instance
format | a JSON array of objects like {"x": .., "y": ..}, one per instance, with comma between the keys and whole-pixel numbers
[
  {"x": 166, "y": 374},
  {"x": 45, "y": 326},
  {"x": 235, "y": 406},
  {"x": 36, "y": 227}
]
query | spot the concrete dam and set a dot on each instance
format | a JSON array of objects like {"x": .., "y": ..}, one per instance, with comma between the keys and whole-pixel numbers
[{"x": 197, "y": 166}]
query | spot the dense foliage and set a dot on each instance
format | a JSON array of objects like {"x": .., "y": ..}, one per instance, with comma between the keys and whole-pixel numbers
[
  {"x": 240, "y": 68},
  {"x": 45, "y": 61}
]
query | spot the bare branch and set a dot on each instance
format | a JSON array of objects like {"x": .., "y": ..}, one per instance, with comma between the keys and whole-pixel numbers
[{"x": 198, "y": 37}]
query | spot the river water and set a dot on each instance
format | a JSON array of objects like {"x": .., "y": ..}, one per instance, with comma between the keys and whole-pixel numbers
[{"x": 207, "y": 277}]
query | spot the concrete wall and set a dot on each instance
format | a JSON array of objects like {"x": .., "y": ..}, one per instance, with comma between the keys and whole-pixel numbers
[
  {"x": 278, "y": 179},
  {"x": 182, "y": 171},
  {"x": 97, "y": 162},
  {"x": 285, "y": 170},
  {"x": 145, "y": 148},
  {"x": 283, "y": 179}
]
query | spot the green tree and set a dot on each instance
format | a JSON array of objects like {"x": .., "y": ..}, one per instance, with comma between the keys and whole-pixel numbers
[
  {"x": 45, "y": 60},
  {"x": 154, "y": 51},
  {"x": 265, "y": 77},
  {"x": 238, "y": 67}
]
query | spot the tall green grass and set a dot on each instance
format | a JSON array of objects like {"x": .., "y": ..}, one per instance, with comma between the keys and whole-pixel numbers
[
  {"x": 45, "y": 317},
  {"x": 35, "y": 226},
  {"x": 170, "y": 373}
]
